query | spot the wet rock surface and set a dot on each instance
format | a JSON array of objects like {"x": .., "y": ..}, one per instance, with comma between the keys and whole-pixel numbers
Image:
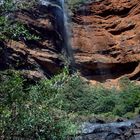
[{"x": 127, "y": 130}]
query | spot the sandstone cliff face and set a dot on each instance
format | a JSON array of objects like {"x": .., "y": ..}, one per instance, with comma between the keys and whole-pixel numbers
[
  {"x": 35, "y": 58},
  {"x": 106, "y": 41}
]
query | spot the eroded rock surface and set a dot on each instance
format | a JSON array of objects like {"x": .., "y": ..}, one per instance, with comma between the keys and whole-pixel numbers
[
  {"x": 106, "y": 39},
  {"x": 36, "y": 58}
]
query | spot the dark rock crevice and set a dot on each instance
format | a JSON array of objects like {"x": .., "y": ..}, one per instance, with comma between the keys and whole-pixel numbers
[
  {"x": 136, "y": 77},
  {"x": 120, "y": 31},
  {"x": 103, "y": 71},
  {"x": 116, "y": 12},
  {"x": 87, "y": 10}
]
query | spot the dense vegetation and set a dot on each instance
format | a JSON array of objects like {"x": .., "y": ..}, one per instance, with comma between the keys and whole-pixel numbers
[
  {"x": 31, "y": 111},
  {"x": 49, "y": 109}
]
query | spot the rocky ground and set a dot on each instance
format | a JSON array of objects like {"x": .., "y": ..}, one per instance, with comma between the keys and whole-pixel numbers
[{"x": 127, "y": 130}]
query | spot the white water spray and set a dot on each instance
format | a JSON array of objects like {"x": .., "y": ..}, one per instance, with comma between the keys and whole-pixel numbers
[{"x": 62, "y": 26}]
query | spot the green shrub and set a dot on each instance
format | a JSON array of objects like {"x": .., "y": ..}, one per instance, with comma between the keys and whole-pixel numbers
[
  {"x": 129, "y": 98},
  {"x": 78, "y": 97},
  {"x": 14, "y": 30},
  {"x": 8, "y": 6},
  {"x": 10, "y": 28},
  {"x": 47, "y": 109},
  {"x": 26, "y": 111},
  {"x": 72, "y": 95}
]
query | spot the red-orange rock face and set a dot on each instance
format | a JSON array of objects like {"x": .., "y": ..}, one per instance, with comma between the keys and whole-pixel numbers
[
  {"x": 106, "y": 39},
  {"x": 39, "y": 58}
]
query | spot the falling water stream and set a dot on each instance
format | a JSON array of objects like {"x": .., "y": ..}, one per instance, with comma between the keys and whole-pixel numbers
[
  {"x": 67, "y": 38},
  {"x": 61, "y": 17}
]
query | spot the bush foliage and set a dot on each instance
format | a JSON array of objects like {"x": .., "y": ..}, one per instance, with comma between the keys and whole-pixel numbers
[
  {"x": 27, "y": 110},
  {"x": 9, "y": 27},
  {"x": 44, "y": 110}
]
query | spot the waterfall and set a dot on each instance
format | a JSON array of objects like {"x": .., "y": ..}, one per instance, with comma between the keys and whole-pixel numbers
[
  {"x": 67, "y": 39},
  {"x": 60, "y": 13}
]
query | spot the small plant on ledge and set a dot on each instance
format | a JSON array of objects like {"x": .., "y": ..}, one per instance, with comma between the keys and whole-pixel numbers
[{"x": 9, "y": 27}]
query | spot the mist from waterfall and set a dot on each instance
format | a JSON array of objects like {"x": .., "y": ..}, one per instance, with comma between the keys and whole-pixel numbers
[{"x": 61, "y": 15}]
